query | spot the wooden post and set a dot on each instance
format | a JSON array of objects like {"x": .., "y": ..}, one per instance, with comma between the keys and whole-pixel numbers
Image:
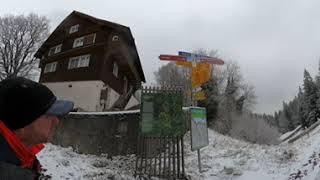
[
  {"x": 149, "y": 156},
  {"x": 169, "y": 153},
  {"x": 138, "y": 156},
  {"x": 182, "y": 155},
  {"x": 178, "y": 155},
  {"x": 145, "y": 155},
  {"x": 155, "y": 155},
  {"x": 174, "y": 156},
  {"x": 160, "y": 157},
  {"x": 165, "y": 156},
  {"x": 141, "y": 153}
]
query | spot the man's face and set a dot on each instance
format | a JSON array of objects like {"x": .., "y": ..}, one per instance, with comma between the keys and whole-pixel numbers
[{"x": 39, "y": 131}]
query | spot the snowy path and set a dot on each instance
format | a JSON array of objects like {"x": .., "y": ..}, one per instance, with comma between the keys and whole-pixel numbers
[
  {"x": 225, "y": 158},
  {"x": 228, "y": 158}
]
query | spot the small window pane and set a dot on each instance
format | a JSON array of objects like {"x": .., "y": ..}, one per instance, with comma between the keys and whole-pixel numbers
[
  {"x": 73, "y": 63},
  {"x": 78, "y": 42},
  {"x": 54, "y": 66},
  {"x": 50, "y": 67},
  {"x": 55, "y": 50},
  {"x": 74, "y": 29},
  {"x": 51, "y": 51},
  {"x": 58, "y": 49},
  {"x": 86, "y": 60}
]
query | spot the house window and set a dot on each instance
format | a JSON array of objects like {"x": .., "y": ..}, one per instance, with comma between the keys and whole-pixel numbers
[
  {"x": 74, "y": 29},
  {"x": 50, "y": 67},
  {"x": 115, "y": 38},
  {"x": 79, "y": 61},
  {"x": 78, "y": 42},
  {"x": 84, "y": 40},
  {"x": 55, "y": 49},
  {"x": 115, "y": 69}
]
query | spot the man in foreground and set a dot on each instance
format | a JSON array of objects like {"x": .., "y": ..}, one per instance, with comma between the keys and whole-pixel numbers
[{"x": 29, "y": 114}]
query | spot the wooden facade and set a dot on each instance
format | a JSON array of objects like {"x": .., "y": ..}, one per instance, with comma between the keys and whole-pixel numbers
[{"x": 106, "y": 43}]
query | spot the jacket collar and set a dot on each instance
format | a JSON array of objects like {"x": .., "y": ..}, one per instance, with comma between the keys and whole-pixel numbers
[
  {"x": 6, "y": 153},
  {"x": 27, "y": 156}
]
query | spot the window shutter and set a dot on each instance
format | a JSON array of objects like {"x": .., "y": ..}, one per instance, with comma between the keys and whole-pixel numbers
[{"x": 89, "y": 39}]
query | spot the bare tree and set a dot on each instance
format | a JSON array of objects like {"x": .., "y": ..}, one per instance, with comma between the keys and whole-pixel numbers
[
  {"x": 171, "y": 74},
  {"x": 20, "y": 37}
]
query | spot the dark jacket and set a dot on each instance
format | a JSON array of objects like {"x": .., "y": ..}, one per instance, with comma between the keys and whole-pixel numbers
[{"x": 10, "y": 165}]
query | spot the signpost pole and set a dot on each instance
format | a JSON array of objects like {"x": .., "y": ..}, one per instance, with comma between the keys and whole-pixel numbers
[
  {"x": 199, "y": 160},
  {"x": 194, "y": 103}
]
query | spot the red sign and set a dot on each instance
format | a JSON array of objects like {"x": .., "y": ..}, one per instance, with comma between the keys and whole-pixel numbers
[
  {"x": 212, "y": 61},
  {"x": 209, "y": 60},
  {"x": 164, "y": 57}
]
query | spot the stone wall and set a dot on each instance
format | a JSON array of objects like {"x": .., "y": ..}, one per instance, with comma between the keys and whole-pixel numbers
[{"x": 112, "y": 133}]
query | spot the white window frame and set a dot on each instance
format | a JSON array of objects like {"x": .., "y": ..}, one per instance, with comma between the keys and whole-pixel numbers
[
  {"x": 50, "y": 67},
  {"x": 74, "y": 28},
  {"x": 55, "y": 50},
  {"x": 84, "y": 60},
  {"x": 115, "y": 38},
  {"x": 58, "y": 48},
  {"x": 79, "y": 61},
  {"x": 115, "y": 69},
  {"x": 78, "y": 42}
]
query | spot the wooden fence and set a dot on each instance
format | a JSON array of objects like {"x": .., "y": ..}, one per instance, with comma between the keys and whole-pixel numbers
[{"x": 161, "y": 157}]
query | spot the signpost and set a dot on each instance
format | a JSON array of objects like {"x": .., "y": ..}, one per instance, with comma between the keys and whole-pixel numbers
[
  {"x": 200, "y": 72},
  {"x": 199, "y": 96}
]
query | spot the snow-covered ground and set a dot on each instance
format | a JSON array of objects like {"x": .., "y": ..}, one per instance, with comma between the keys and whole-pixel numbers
[
  {"x": 63, "y": 163},
  {"x": 225, "y": 158}
]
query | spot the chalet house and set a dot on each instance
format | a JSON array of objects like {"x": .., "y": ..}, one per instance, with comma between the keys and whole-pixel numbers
[{"x": 92, "y": 62}]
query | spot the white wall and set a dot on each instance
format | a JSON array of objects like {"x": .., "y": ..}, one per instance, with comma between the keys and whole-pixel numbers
[
  {"x": 132, "y": 102},
  {"x": 112, "y": 97},
  {"x": 85, "y": 94}
]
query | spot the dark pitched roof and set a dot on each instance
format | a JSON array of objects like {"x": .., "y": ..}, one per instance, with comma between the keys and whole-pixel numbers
[{"x": 124, "y": 29}]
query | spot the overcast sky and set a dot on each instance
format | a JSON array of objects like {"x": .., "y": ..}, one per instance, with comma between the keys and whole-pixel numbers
[{"x": 272, "y": 40}]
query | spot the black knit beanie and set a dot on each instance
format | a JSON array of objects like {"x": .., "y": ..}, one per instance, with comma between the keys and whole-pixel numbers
[{"x": 22, "y": 101}]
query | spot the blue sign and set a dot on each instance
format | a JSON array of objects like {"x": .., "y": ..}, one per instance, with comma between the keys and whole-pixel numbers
[{"x": 191, "y": 57}]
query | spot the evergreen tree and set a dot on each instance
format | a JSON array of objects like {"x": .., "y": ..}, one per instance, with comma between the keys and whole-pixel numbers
[
  {"x": 309, "y": 104},
  {"x": 318, "y": 91}
]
